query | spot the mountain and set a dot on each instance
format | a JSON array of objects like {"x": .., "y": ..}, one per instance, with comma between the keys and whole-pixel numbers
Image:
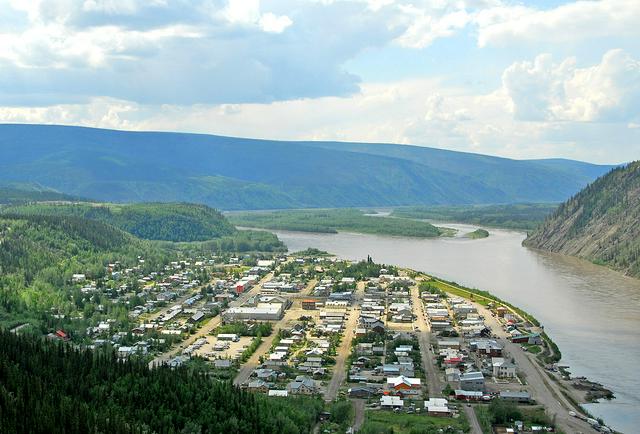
[
  {"x": 151, "y": 221},
  {"x": 234, "y": 173},
  {"x": 601, "y": 223}
]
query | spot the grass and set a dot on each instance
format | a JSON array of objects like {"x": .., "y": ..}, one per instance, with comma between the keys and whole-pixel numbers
[
  {"x": 533, "y": 349},
  {"x": 383, "y": 421},
  {"x": 484, "y": 418},
  {"x": 334, "y": 220}
]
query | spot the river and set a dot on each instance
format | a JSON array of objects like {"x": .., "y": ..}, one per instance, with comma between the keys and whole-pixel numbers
[{"x": 592, "y": 313}]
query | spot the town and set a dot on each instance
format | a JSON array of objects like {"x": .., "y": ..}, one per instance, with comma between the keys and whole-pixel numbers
[{"x": 395, "y": 346}]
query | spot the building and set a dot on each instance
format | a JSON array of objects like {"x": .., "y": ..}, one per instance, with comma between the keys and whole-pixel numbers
[
  {"x": 468, "y": 395},
  {"x": 519, "y": 397},
  {"x": 502, "y": 368},
  {"x": 302, "y": 386},
  {"x": 361, "y": 392},
  {"x": 388, "y": 401},
  {"x": 437, "y": 407},
  {"x": 309, "y": 304},
  {"x": 404, "y": 384},
  {"x": 262, "y": 312},
  {"x": 472, "y": 381}
]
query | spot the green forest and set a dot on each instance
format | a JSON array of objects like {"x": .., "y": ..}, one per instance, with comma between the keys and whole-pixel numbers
[
  {"x": 334, "y": 220},
  {"x": 600, "y": 223},
  {"x": 40, "y": 393},
  {"x": 151, "y": 221},
  {"x": 516, "y": 216}
]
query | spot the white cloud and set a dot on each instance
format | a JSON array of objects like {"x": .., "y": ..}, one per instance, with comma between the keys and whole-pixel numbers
[
  {"x": 542, "y": 90},
  {"x": 274, "y": 23},
  {"x": 574, "y": 21}
]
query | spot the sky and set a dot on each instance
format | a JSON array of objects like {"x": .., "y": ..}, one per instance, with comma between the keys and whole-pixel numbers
[{"x": 527, "y": 79}]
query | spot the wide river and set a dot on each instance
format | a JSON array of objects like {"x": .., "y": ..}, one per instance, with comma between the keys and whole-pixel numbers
[{"x": 592, "y": 313}]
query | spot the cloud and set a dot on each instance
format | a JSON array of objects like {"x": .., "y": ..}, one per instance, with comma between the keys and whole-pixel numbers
[
  {"x": 182, "y": 52},
  {"x": 574, "y": 21},
  {"x": 606, "y": 92}
]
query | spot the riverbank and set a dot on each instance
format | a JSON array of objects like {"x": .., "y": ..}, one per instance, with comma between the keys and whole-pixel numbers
[
  {"x": 578, "y": 391},
  {"x": 582, "y": 306}
]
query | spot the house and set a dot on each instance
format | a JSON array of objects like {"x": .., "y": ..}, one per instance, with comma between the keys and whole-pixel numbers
[
  {"x": 437, "y": 407},
  {"x": 278, "y": 393},
  {"x": 472, "y": 381},
  {"x": 388, "y": 401},
  {"x": 486, "y": 347},
  {"x": 519, "y": 397},
  {"x": 361, "y": 392},
  {"x": 404, "y": 384},
  {"x": 501, "y": 311},
  {"x": 265, "y": 374},
  {"x": 531, "y": 339},
  {"x": 452, "y": 374},
  {"x": 468, "y": 395},
  {"x": 302, "y": 386},
  {"x": 502, "y": 368},
  {"x": 258, "y": 386},
  {"x": 197, "y": 317}
]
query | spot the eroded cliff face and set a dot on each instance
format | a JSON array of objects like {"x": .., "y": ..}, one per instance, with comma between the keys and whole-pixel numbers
[{"x": 600, "y": 224}]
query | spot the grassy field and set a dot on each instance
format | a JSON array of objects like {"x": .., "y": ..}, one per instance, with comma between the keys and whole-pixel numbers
[
  {"x": 335, "y": 220},
  {"x": 401, "y": 423},
  {"x": 523, "y": 217}
]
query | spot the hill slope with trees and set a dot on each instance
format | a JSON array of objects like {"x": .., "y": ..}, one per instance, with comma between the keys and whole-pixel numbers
[
  {"x": 601, "y": 223},
  {"x": 234, "y": 173},
  {"x": 151, "y": 221},
  {"x": 51, "y": 387}
]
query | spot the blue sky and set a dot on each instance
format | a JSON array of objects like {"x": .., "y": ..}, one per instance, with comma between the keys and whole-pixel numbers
[{"x": 530, "y": 79}]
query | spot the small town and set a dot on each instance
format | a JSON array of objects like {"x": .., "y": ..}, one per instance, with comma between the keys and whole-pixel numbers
[{"x": 393, "y": 346}]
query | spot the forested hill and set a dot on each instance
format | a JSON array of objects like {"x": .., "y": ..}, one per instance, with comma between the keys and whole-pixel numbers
[
  {"x": 151, "y": 221},
  {"x": 233, "y": 173},
  {"x": 48, "y": 387},
  {"x": 601, "y": 223},
  {"x": 26, "y": 194}
]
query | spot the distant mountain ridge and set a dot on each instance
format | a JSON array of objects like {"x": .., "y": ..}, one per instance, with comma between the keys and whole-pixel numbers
[
  {"x": 601, "y": 223},
  {"x": 234, "y": 173}
]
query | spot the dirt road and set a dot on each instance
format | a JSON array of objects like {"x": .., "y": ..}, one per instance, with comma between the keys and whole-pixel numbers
[
  {"x": 434, "y": 382},
  {"x": 208, "y": 327},
  {"x": 339, "y": 371}
]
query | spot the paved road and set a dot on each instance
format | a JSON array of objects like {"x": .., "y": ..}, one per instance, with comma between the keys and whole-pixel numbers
[
  {"x": 473, "y": 420},
  {"x": 339, "y": 371},
  {"x": 208, "y": 327},
  {"x": 434, "y": 382}
]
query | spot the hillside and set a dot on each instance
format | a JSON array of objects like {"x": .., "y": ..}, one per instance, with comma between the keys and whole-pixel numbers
[
  {"x": 151, "y": 221},
  {"x": 599, "y": 224},
  {"x": 49, "y": 387},
  {"x": 26, "y": 193},
  {"x": 234, "y": 173}
]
